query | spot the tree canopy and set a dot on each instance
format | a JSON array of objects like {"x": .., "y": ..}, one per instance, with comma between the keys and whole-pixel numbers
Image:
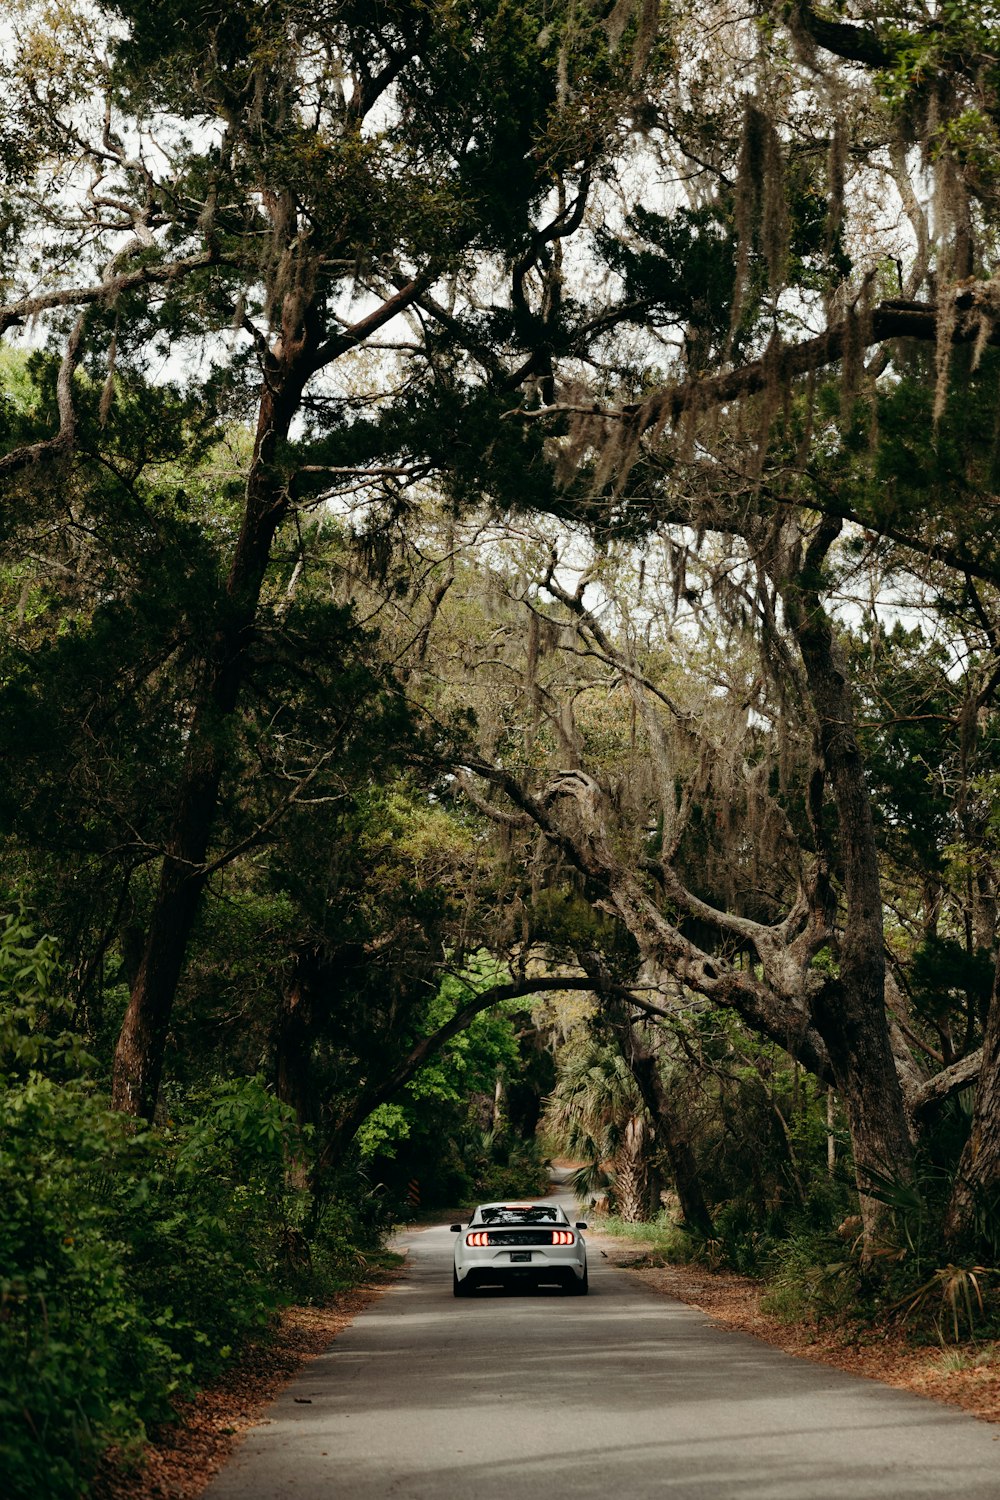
[{"x": 499, "y": 505}]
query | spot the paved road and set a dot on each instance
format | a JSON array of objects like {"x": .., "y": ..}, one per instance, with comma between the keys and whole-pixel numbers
[{"x": 623, "y": 1395}]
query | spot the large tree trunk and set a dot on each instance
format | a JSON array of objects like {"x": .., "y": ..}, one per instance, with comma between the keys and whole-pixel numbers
[
  {"x": 850, "y": 1014},
  {"x": 138, "y": 1061},
  {"x": 977, "y": 1184}
]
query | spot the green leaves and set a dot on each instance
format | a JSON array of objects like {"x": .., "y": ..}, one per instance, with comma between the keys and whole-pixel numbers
[
  {"x": 131, "y": 1261},
  {"x": 35, "y": 1031},
  {"x": 677, "y": 269},
  {"x": 131, "y": 1264},
  {"x": 949, "y": 982}
]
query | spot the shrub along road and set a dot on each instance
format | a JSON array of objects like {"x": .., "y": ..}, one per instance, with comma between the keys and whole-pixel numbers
[{"x": 625, "y": 1391}]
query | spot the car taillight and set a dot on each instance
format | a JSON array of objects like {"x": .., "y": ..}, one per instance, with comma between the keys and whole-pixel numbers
[
  {"x": 479, "y": 1237},
  {"x": 562, "y": 1237}
]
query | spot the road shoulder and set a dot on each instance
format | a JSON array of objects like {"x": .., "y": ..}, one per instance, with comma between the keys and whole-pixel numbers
[{"x": 964, "y": 1375}]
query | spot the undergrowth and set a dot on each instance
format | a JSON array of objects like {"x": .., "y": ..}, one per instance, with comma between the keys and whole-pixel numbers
[
  {"x": 662, "y": 1240},
  {"x": 134, "y": 1260}
]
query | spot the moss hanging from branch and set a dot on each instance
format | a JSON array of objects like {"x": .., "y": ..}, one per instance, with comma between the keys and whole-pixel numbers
[
  {"x": 836, "y": 177},
  {"x": 640, "y": 19},
  {"x": 947, "y": 319},
  {"x": 761, "y": 209}
]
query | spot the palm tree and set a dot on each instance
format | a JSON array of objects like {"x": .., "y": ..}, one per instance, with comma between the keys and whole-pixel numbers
[{"x": 596, "y": 1114}]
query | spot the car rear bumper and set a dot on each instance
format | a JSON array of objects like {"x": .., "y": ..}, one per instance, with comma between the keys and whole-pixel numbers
[{"x": 538, "y": 1273}]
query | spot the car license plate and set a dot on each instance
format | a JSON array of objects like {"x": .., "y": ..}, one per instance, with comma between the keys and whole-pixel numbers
[{"x": 520, "y": 1255}]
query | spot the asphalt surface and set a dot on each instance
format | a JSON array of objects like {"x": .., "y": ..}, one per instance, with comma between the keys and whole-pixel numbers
[{"x": 623, "y": 1394}]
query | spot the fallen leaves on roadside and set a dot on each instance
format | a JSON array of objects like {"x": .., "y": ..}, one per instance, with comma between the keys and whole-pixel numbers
[
  {"x": 966, "y": 1375},
  {"x": 183, "y": 1457}
]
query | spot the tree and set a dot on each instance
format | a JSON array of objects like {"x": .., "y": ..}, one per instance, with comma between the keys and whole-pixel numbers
[
  {"x": 754, "y": 368},
  {"x": 276, "y": 186},
  {"x": 698, "y": 817},
  {"x": 597, "y": 1112}
]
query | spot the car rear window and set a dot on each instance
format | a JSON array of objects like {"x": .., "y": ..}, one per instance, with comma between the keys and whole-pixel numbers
[{"x": 535, "y": 1214}]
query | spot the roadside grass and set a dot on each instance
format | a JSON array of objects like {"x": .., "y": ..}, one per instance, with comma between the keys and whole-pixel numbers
[
  {"x": 658, "y": 1242},
  {"x": 984, "y": 1357}
]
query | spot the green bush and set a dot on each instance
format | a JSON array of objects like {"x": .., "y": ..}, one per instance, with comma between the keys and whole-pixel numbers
[
  {"x": 131, "y": 1265},
  {"x": 72, "y": 1337},
  {"x": 813, "y": 1274},
  {"x": 132, "y": 1260},
  {"x": 505, "y": 1167}
]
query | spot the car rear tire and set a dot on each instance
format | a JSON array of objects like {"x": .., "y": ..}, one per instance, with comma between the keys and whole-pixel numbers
[
  {"x": 459, "y": 1288},
  {"x": 580, "y": 1288}
]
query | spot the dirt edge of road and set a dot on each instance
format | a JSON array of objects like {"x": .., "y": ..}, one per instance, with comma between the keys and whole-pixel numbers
[
  {"x": 965, "y": 1375},
  {"x": 182, "y": 1458}
]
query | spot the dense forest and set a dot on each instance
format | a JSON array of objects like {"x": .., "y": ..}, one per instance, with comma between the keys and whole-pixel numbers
[{"x": 500, "y": 652}]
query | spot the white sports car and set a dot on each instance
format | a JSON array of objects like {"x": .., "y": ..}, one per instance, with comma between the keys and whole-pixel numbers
[{"x": 512, "y": 1244}]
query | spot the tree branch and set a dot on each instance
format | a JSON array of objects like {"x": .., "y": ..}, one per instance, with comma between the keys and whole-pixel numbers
[
  {"x": 775, "y": 1014},
  {"x": 32, "y": 453},
  {"x": 852, "y": 43},
  {"x": 960, "y": 1075},
  {"x": 356, "y": 333},
  {"x": 892, "y": 319},
  {"x": 13, "y": 313},
  {"x": 429, "y": 1046}
]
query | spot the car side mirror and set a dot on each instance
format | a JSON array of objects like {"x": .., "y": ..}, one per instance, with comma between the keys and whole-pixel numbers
[
  {"x": 580, "y": 1224},
  {"x": 456, "y": 1229}
]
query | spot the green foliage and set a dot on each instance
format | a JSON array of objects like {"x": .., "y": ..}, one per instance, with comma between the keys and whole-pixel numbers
[
  {"x": 132, "y": 1262},
  {"x": 384, "y": 1127},
  {"x": 496, "y": 1164},
  {"x": 758, "y": 1129},
  {"x": 679, "y": 270},
  {"x": 470, "y": 1062},
  {"x": 908, "y": 1277},
  {"x": 446, "y": 1130},
  {"x": 744, "y": 1236},
  {"x": 954, "y": 1299},
  {"x": 812, "y": 1275},
  {"x": 34, "y": 1023},
  {"x": 960, "y": 47},
  {"x": 565, "y": 921},
  {"x": 943, "y": 971},
  {"x": 74, "y": 1347},
  {"x": 904, "y": 756},
  {"x": 816, "y": 1276},
  {"x": 928, "y": 473},
  {"x": 761, "y": 1142}
]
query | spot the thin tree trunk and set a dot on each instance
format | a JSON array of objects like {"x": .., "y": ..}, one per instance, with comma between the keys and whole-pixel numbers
[
  {"x": 645, "y": 1069},
  {"x": 294, "y": 1032},
  {"x": 139, "y": 1055},
  {"x": 831, "y": 1139},
  {"x": 293, "y": 1035}
]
